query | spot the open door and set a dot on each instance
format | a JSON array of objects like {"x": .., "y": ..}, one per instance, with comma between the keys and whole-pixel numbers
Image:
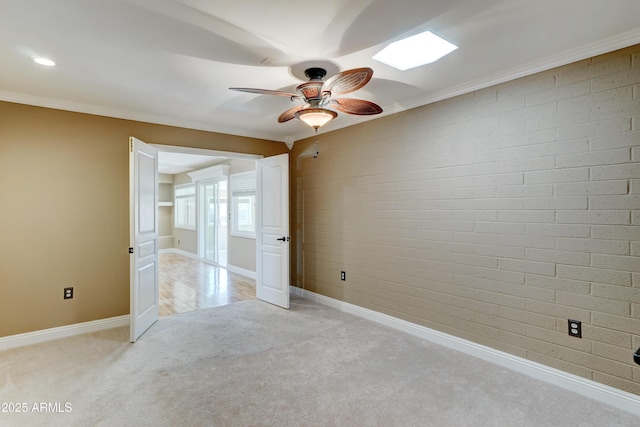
[
  {"x": 272, "y": 230},
  {"x": 143, "y": 236}
]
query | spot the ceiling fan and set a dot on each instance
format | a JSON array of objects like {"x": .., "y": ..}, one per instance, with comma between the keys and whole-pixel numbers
[{"x": 318, "y": 96}]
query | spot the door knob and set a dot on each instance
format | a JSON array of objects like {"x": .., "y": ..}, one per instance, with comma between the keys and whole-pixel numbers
[{"x": 284, "y": 239}]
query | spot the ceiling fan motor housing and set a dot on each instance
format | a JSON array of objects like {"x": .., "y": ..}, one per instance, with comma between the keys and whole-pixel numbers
[
  {"x": 315, "y": 73},
  {"x": 312, "y": 90}
]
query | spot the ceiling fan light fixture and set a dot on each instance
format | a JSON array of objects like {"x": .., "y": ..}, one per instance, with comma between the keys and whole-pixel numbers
[
  {"x": 414, "y": 51},
  {"x": 316, "y": 117}
]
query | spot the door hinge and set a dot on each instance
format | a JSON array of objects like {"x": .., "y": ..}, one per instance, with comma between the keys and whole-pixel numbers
[
  {"x": 130, "y": 146},
  {"x": 130, "y": 250}
]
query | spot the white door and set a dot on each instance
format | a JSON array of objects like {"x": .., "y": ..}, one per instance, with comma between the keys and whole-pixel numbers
[
  {"x": 143, "y": 236},
  {"x": 272, "y": 230}
]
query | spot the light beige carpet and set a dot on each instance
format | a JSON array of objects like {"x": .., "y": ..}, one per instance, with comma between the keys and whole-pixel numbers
[{"x": 253, "y": 364}]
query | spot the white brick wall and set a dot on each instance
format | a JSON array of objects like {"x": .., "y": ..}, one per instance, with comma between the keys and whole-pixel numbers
[{"x": 494, "y": 216}]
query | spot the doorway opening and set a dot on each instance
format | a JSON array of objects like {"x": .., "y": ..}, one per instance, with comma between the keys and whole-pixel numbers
[
  {"x": 213, "y": 229},
  {"x": 201, "y": 264}
]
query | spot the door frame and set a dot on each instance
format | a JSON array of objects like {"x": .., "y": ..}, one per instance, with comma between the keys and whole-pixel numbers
[{"x": 205, "y": 152}]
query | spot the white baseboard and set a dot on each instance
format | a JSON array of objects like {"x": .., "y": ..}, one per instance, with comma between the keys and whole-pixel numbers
[
  {"x": 242, "y": 271},
  {"x": 609, "y": 395},
  {"x": 179, "y": 252},
  {"x": 43, "y": 335}
]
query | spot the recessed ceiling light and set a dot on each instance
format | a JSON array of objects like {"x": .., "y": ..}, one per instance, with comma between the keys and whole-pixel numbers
[
  {"x": 44, "y": 61},
  {"x": 421, "y": 49}
]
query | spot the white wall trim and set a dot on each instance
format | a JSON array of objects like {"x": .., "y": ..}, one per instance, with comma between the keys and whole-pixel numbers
[
  {"x": 242, "y": 271},
  {"x": 205, "y": 152},
  {"x": 118, "y": 113},
  {"x": 599, "y": 47},
  {"x": 179, "y": 252},
  {"x": 579, "y": 53},
  {"x": 43, "y": 335},
  {"x": 609, "y": 395},
  {"x": 212, "y": 172}
]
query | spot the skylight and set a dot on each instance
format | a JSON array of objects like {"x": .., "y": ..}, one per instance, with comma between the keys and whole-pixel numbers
[
  {"x": 44, "y": 61},
  {"x": 421, "y": 49}
]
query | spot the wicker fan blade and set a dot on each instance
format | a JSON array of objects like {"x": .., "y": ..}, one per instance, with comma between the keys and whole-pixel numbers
[
  {"x": 358, "y": 107},
  {"x": 265, "y": 92},
  {"x": 348, "y": 81},
  {"x": 291, "y": 113}
]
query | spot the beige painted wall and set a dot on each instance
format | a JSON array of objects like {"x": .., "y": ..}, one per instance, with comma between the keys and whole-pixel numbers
[
  {"x": 493, "y": 216},
  {"x": 183, "y": 239},
  {"x": 242, "y": 251},
  {"x": 186, "y": 240},
  {"x": 165, "y": 213},
  {"x": 65, "y": 216}
]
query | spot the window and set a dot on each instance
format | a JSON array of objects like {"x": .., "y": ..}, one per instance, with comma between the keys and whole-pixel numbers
[
  {"x": 185, "y": 206},
  {"x": 243, "y": 204}
]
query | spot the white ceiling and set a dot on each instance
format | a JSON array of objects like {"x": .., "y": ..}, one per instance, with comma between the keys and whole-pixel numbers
[
  {"x": 172, "y": 61},
  {"x": 173, "y": 163}
]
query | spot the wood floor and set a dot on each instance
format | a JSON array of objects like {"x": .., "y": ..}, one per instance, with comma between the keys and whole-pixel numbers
[{"x": 187, "y": 284}]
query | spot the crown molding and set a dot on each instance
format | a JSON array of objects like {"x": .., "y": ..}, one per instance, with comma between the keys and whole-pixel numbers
[
  {"x": 601, "y": 47},
  {"x": 610, "y": 44},
  {"x": 77, "y": 107}
]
